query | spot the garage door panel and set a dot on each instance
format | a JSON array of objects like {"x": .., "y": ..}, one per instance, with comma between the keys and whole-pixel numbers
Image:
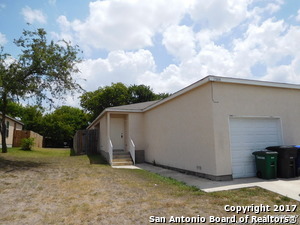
[{"x": 248, "y": 135}]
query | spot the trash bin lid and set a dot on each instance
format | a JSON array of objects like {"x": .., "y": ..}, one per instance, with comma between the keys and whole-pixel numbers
[
  {"x": 264, "y": 153},
  {"x": 284, "y": 151},
  {"x": 281, "y": 147}
]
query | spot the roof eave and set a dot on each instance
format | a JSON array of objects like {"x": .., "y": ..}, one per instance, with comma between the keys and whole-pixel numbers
[
  {"x": 254, "y": 82},
  {"x": 210, "y": 78},
  {"x": 13, "y": 119},
  {"x": 97, "y": 118},
  {"x": 112, "y": 110}
]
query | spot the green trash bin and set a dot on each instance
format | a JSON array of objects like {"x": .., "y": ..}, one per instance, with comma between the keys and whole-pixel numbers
[{"x": 266, "y": 164}]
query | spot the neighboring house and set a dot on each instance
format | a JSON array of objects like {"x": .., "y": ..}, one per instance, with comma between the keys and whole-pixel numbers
[
  {"x": 11, "y": 125},
  {"x": 209, "y": 128}
]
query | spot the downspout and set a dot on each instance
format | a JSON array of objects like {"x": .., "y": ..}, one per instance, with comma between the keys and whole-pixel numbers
[
  {"x": 109, "y": 144},
  {"x": 212, "y": 80},
  {"x": 212, "y": 92}
]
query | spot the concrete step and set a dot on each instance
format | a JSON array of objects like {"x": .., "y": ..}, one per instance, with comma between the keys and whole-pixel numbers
[
  {"x": 122, "y": 163},
  {"x": 118, "y": 150},
  {"x": 120, "y": 153},
  {"x": 121, "y": 157},
  {"x": 122, "y": 160}
]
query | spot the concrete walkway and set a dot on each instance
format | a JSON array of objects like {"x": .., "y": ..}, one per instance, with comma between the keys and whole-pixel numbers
[{"x": 285, "y": 187}]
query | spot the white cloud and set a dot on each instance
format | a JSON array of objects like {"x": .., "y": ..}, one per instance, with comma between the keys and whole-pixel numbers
[
  {"x": 126, "y": 24},
  {"x": 267, "y": 44},
  {"x": 119, "y": 66},
  {"x": 66, "y": 30},
  {"x": 33, "y": 15},
  {"x": 3, "y": 39},
  {"x": 224, "y": 38},
  {"x": 264, "y": 11},
  {"x": 180, "y": 41},
  {"x": 169, "y": 80},
  {"x": 220, "y": 15}
]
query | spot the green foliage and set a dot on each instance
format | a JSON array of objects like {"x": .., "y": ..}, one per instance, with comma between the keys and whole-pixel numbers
[
  {"x": 95, "y": 102},
  {"x": 32, "y": 117},
  {"x": 43, "y": 67},
  {"x": 42, "y": 71},
  {"x": 141, "y": 93},
  {"x": 14, "y": 109},
  {"x": 57, "y": 127},
  {"x": 117, "y": 94},
  {"x": 27, "y": 144},
  {"x": 61, "y": 125}
]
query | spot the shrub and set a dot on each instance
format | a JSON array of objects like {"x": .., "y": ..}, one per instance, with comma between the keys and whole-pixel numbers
[{"x": 27, "y": 143}]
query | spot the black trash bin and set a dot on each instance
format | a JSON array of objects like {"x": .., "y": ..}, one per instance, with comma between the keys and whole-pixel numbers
[
  {"x": 286, "y": 163},
  {"x": 298, "y": 161}
]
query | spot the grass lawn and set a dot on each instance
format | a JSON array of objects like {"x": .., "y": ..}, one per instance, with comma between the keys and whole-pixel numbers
[{"x": 48, "y": 186}]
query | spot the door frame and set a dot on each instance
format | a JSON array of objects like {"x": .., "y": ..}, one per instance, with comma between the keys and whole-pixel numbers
[{"x": 118, "y": 135}]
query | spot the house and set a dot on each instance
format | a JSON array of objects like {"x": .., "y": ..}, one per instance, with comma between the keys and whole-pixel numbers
[
  {"x": 209, "y": 128},
  {"x": 12, "y": 124}
]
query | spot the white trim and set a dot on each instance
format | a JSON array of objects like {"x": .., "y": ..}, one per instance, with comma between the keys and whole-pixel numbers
[
  {"x": 254, "y": 117},
  {"x": 95, "y": 120},
  {"x": 210, "y": 78},
  {"x": 253, "y": 82},
  {"x": 125, "y": 110}
]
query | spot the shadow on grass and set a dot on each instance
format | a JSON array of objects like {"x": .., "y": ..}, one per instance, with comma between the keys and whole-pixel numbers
[
  {"x": 94, "y": 159},
  {"x": 97, "y": 159},
  {"x": 8, "y": 165}
]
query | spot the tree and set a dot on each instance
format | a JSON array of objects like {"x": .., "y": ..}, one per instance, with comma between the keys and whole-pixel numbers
[
  {"x": 61, "y": 125},
  {"x": 32, "y": 117},
  {"x": 117, "y": 94},
  {"x": 14, "y": 109},
  {"x": 96, "y": 101},
  {"x": 141, "y": 93},
  {"x": 42, "y": 71}
]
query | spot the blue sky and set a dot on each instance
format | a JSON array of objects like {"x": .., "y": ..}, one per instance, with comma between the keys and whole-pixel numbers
[{"x": 166, "y": 44}]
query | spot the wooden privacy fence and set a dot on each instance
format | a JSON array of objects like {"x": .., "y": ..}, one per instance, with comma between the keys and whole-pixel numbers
[
  {"x": 20, "y": 134},
  {"x": 86, "y": 142}
]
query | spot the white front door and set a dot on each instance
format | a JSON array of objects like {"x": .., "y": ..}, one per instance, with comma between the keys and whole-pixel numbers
[
  {"x": 248, "y": 135},
  {"x": 117, "y": 133}
]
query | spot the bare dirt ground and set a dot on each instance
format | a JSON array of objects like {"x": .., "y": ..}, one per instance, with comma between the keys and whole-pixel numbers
[{"x": 54, "y": 188}]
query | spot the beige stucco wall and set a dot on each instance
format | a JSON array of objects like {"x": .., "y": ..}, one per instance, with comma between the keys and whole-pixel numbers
[
  {"x": 103, "y": 134},
  {"x": 179, "y": 133},
  {"x": 136, "y": 130},
  {"x": 191, "y": 131},
  {"x": 134, "y": 127},
  {"x": 256, "y": 101}
]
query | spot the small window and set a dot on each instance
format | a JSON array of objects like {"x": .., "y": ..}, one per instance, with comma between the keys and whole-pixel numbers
[{"x": 7, "y": 129}]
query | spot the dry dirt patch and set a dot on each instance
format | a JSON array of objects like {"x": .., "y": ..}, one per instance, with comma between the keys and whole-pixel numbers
[{"x": 53, "y": 188}]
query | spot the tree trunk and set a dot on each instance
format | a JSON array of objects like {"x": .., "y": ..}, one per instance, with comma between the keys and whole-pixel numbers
[{"x": 3, "y": 125}]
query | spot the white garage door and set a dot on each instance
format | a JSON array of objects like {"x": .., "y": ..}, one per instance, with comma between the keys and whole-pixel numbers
[{"x": 248, "y": 135}]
